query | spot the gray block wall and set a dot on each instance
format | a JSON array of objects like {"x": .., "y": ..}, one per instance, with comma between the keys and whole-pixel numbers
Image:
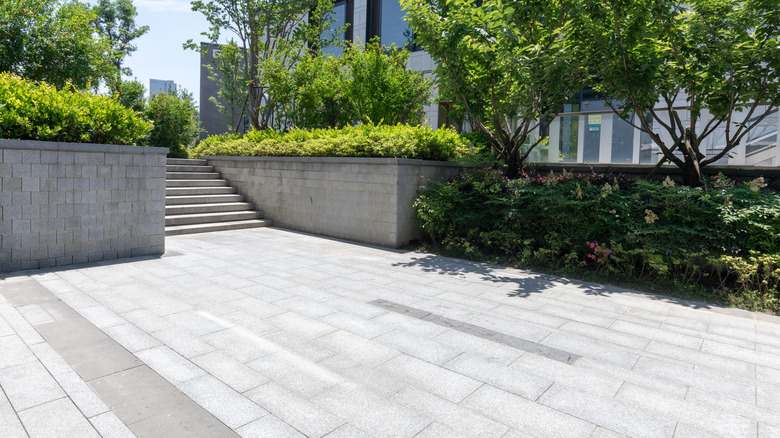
[
  {"x": 67, "y": 203},
  {"x": 367, "y": 200}
]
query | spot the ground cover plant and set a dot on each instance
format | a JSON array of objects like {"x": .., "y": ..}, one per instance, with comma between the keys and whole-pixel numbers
[
  {"x": 32, "y": 110},
  {"x": 368, "y": 140},
  {"x": 719, "y": 242}
]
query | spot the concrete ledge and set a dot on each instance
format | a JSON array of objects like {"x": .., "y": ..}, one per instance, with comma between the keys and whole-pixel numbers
[
  {"x": 69, "y": 203},
  {"x": 367, "y": 200}
]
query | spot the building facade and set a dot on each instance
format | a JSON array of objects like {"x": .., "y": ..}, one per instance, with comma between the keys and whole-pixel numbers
[{"x": 161, "y": 86}]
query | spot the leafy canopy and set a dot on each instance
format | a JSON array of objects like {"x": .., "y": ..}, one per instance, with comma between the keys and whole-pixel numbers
[{"x": 116, "y": 21}]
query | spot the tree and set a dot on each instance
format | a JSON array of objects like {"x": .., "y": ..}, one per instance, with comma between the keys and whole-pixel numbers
[
  {"x": 502, "y": 63},
  {"x": 273, "y": 36},
  {"x": 683, "y": 71},
  {"x": 130, "y": 94},
  {"x": 227, "y": 71},
  {"x": 175, "y": 118},
  {"x": 115, "y": 20},
  {"x": 51, "y": 41}
]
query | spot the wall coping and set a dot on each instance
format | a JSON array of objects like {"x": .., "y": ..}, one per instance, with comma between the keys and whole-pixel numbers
[
  {"x": 7, "y": 143},
  {"x": 340, "y": 160},
  {"x": 667, "y": 169}
]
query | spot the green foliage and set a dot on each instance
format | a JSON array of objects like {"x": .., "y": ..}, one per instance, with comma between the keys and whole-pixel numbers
[
  {"x": 367, "y": 84},
  {"x": 130, "y": 94},
  {"x": 398, "y": 141},
  {"x": 272, "y": 37},
  {"x": 722, "y": 57},
  {"x": 503, "y": 63},
  {"x": 723, "y": 238},
  {"x": 115, "y": 20},
  {"x": 52, "y": 41},
  {"x": 175, "y": 119},
  {"x": 226, "y": 70},
  {"x": 38, "y": 111}
]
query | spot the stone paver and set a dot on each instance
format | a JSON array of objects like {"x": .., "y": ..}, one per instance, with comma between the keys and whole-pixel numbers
[{"x": 267, "y": 332}]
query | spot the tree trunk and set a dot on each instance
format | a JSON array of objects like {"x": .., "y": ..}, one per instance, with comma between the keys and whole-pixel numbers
[
  {"x": 691, "y": 174},
  {"x": 513, "y": 165}
]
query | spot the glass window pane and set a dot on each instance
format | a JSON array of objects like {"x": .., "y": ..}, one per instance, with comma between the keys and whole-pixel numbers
[
  {"x": 393, "y": 28},
  {"x": 340, "y": 16},
  {"x": 622, "y": 140},
  {"x": 568, "y": 141}
]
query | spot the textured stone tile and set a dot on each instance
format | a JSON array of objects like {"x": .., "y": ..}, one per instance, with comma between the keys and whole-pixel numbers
[
  {"x": 493, "y": 351},
  {"x": 131, "y": 337},
  {"x": 11, "y": 426},
  {"x": 696, "y": 379},
  {"x": 683, "y": 411},
  {"x": 421, "y": 348},
  {"x": 242, "y": 344},
  {"x": 28, "y": 385},
  {"x": 600, "y": 432},
  {"x": 198, "y": 322},
  {"x": 301, "y": 326},
  {"x": 607, "y": 413},
  {"x": 354, "y": 307},
  {"x": 57, "y": 418},
  {"x": 182, "y": 341},
  {"x": 305, "y": 307},
  {"x": 357, "y": 348},
  {"x": 15, "y": 352},
  {"x": 355, "y": 324},
  {"x": 310, "y": 350},
  {"x": 102, "y": 317},
  {"x": 170, "y": 365},
  {"x": 767, "y": 431},
  {"x": 638, "y": 377},
  {"x": 223, "y": 402},
  {"x": 434, "y": 379},
  {"x": 467, "y": 422},
  {"x": 742, "y": 354},
  {"x": 109, "y": 425},
  {"x": 230, "y": 371},
  {"x": 185, "y": 420},
  {"x": 513, "y": 328},
  {"x": 585, "y": 347},
  {"x": 81, "y": 394},
  {"x": 605, "y": 334},
  {"x": 512, "y": 380},
  {"x": 719, "y": 402},
  {"x": 578, "y": 378},
  {"x": 375, "y": 415},
  {"x": 296, "y": 373},
  {"x": 658, "y": 334},
  {"x": 347, "y": 431},
  {"x": 524, "y": 415},
  {"x": 296, "y": 411},
  {"x": 582, "y": 316},
  {"x": 268, "y": 427},
  {"x": 370, "y": 378},
  {"x": 436, "y": 430},
  {"x": 424, "y": 329}
]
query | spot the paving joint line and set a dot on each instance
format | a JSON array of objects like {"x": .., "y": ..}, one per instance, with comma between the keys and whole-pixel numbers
[{"x": 480, "y": 332}]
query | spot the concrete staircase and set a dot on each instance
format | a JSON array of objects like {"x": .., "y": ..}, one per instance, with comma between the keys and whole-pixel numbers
[{"x": 197, "y": 200}]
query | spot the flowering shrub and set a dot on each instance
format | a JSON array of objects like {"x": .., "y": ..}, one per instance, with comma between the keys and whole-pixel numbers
[
  {"x": 175, "y": 122},
  {"x": 723, "y": 238}
]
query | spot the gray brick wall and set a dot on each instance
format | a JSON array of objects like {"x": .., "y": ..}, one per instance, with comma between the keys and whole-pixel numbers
[
  {"x": 363, "y": 199},
  {"x": 66, "y": 203}
]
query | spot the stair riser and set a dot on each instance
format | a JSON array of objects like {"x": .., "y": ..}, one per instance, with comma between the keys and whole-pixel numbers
[
  {"x": 218, "y": 227},
  {"x": 226, "y": 217},
  {"x": 185, "y": 162},
  {"x": 196, "y": 183},
  {"x": 191, "y": 175},
  {"x": 195, "y": 191},
  {"x": 197, "y": 169},
  {"x": 209, "y": 208},
  {"x": 206, "y": 199}
]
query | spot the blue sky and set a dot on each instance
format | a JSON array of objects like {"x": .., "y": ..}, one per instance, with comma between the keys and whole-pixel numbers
[{"x": 160, "y": 54}]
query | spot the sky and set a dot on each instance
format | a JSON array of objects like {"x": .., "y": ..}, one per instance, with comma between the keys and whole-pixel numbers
[{"x": 160, "y": 54}]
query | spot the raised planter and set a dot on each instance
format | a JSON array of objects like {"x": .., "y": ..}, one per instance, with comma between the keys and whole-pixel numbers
[
  {"x": 367, "y": 200},
  {"x": 66, "y": 203}
]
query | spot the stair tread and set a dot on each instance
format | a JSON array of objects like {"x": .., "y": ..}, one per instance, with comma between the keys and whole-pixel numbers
[
  {"x": 215, "y": 226},
  {"x": 223, "y": 206},
  {"x": 220, "y": 213}
]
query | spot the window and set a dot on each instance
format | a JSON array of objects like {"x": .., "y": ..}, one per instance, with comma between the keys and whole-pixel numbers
[
  {"x": 386, "y": 20},
  {"x": 342, "y": 16}
]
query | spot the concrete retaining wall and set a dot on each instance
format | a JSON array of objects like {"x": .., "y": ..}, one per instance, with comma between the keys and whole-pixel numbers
[
  {"x": 363, "y": 199},
  {"x": 65, "y": 203}
]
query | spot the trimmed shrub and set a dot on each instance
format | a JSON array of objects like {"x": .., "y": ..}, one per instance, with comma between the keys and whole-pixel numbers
[
  {"x": 720, "y": 242},
  {"x": 398, "y": 141},
  {"x": 38, "y": 111},
  {"x": 175, "y": 122}
]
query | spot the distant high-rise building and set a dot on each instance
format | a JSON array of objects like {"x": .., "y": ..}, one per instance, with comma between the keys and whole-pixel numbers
[{"x": 161, "y": 86}]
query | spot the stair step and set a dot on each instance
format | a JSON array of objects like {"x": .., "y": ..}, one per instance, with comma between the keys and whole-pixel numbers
[
  {"x": 186, "y": 162},
  {"x": 198, "y": 191},
  {"x": 180, "y": 168},
  {"x": 202, "y": 199},
  {"x": 217, "y": 226},
  {"x": 203, "y": 218},
  {"x": 196, "y": 183},
  {"x": 208, "y": 208},
  {"x": 191, "y": 175}
]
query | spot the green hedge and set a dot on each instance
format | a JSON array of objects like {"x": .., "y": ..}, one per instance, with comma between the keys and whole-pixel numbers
[
  {"x": 720, "y": 242},
  {"x": 397, "y": 141},
  {"x": 38, "y": 111}
]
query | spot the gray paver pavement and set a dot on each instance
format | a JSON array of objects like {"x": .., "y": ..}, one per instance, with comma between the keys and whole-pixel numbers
[{"x": 271, "y": 333}]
